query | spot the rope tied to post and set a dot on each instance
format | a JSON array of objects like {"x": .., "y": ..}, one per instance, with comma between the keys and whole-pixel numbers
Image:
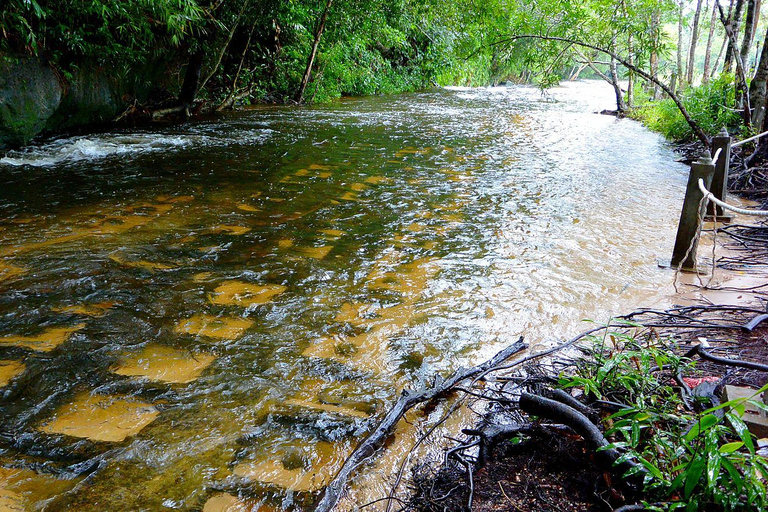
[{"x": 709, "y": 196}]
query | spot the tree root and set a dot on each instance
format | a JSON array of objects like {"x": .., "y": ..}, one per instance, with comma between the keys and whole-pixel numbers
[
  {"x": 698, "y": 349},
  {"x": 551, "y": 409}
]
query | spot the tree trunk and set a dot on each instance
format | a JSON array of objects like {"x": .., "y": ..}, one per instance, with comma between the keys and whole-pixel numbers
[
  {"x": 680, "y": 71},
  {"x": 741, "y": 82},
  {"x": 708, "y": 54},
  {"x": 759, "y": 86},
  {"x": 621, "y": 107},
  {"x": 749, "y": 34},
  {"x": 732, "y": 24},
  {"x": 694, "y": 41},
  {"x": 224, "y": 47},
  {"x": 191, "y": 79},
  {"x": 654, "y": 58},
  {"x": 630, "y": 74},
  {"x": 313, "y": 52}
]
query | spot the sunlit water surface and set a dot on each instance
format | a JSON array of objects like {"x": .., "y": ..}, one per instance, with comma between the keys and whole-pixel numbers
[{"x": 193, "y": 313}]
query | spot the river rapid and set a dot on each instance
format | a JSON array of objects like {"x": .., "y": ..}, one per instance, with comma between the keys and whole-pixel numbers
[{"x": 208, "y": 315}]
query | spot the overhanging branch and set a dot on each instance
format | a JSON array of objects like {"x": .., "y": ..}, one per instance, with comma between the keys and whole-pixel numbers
[{"x": 697, "y": 130}]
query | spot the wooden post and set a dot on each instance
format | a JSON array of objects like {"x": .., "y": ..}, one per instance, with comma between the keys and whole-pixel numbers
[
  {"x": 689, "y": 216},
  {"x": 721, "y": 141}
]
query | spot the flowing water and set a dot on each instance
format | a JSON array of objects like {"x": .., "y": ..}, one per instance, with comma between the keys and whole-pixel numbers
[{"x": 193, "y": 313}]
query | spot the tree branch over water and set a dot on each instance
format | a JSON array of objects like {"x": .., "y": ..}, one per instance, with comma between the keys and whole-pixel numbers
[{"x": 697, "y": 130}]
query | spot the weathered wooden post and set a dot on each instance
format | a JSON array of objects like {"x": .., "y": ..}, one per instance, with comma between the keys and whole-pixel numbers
[
  {"x": 721, "y": 141},
  {"x": 703, "y": 168}
]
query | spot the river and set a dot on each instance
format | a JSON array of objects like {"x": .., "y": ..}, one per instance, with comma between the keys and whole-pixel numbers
[{"x": 194, "y": 312}]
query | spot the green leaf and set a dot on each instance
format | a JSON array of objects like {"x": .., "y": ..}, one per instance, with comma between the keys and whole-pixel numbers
[
  {"x": 693, "y": 475},
  {"x": 741, "y": 429},
  {"x": 704, "y": 423},
  {"x": 651, "y": 468},
  {"x": 713, "y": 468},
  {"x": 731, "y": 447},
  {"x": 736, "y": 477}
]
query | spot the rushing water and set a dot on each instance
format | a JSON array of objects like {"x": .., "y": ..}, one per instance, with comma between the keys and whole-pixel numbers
[{"x": 191, "y": 313}]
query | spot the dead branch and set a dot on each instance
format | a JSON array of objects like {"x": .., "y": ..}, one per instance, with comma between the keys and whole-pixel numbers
[{"x": 408, "y": 399}]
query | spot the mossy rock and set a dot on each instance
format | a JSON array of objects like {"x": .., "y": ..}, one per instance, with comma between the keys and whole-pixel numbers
[{"x": 30, "y": 93}]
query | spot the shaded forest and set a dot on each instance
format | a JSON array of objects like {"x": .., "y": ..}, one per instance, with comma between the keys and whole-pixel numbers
[{"x": 687, "y": 68}]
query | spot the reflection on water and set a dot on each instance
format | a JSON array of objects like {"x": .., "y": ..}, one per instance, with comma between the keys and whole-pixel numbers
[{"x": 211, "y": 315}]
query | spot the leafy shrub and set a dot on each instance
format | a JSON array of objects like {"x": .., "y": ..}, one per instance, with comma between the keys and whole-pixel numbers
[
  {"x": 711, "y": 105},
  {"x": 704, "y": 461}
]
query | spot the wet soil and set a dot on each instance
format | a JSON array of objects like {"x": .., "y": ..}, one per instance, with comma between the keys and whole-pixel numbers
[{"x": 542, "y": 472}]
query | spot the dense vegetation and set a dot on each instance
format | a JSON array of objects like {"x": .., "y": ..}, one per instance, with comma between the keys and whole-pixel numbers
[
  {"x": 674, "y": 55},
  {"x": 691, "y": 459}
]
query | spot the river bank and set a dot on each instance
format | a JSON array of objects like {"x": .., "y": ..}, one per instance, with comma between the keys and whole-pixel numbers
[{"x": 651, "y": 381}]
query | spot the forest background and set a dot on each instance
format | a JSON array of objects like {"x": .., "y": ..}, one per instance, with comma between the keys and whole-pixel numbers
[{"x": 685, "y": 67}]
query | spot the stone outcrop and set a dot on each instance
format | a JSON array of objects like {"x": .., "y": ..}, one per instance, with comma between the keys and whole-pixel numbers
[
  {"x": 30, "y": 94},
  {"x": 35, "y": 98}
]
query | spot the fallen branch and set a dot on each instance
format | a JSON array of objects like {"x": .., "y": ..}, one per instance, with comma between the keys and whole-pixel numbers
[{"x": 408, "y": 399}]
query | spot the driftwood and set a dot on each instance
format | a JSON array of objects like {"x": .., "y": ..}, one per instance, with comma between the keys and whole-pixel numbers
[
  {"x": 408, "y": 399},
  {"x": 558, "y": 411}
]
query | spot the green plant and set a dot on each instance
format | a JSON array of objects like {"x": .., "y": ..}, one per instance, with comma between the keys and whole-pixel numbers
[
  {"x": 704, "y": 461},
  {"x": 712, "y": 106}
]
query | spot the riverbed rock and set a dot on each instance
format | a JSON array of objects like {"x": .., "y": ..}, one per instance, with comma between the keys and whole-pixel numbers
[
  {"x": 36, "y": 98},
  {"x": 91, "y": 98}
]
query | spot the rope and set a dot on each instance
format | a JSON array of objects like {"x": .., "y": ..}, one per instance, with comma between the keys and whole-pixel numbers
[
  {"x": 717, "y": 154},
  {"x": 737, "y": 144},
  {"x": 711, "y": 197}
]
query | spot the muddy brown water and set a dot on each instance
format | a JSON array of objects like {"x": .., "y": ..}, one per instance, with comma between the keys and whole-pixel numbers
[{"x": 192, "y": 313}]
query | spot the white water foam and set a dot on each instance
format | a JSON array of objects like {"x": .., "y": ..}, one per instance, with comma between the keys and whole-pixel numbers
[{"x": 92, "y": 147}]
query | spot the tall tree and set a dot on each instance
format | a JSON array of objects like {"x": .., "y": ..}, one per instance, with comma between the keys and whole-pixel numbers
[
  {"x": 758, "y": 87},
  {"x": 653, "y": 58},
  {"x": 313, "y": 52},
  {"x": 749, "y": 34},
  {"x": 708, "y": 52},
  {"x": 694, "y": 41},
  {"x": 679, "y": 71},
  {"x": 731, "y": 25}
]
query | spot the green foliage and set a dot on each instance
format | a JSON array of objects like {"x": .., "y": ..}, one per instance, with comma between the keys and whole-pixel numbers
[
  {"x": 712, "y": 105},
  {"x": 692, "y": 461},
  {"x": 101, "y": 31}
]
